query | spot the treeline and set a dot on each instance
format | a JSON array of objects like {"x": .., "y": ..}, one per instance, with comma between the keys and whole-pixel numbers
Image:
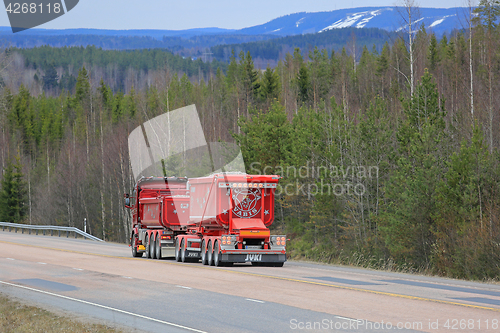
[
  {"x": 193, "y": 46},
  {"x": 275, "y": 49},
  {"x": 121, "y": 70},
  {"x": 377, "y": 171}
]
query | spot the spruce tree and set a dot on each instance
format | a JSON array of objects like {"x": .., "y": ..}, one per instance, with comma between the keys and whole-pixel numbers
[
  {"x": 303, "y": 83},
  {"x": 50, "y": 78},
  {"x": 270, "y": 84},
  {"x": 433, "y": 55},
  {"x": 13, "y": 196}
]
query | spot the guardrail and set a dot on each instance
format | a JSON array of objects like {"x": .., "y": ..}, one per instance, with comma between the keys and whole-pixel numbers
[{"x": 45, "y": 228}]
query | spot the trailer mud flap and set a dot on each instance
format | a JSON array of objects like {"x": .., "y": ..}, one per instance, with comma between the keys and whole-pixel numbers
[
  {"x": 193, "y": 254},
  {"x": 253, "y": 257}
]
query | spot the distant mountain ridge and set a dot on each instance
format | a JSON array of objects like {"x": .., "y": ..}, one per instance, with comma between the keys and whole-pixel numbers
[{"x": 439, "y": 20}]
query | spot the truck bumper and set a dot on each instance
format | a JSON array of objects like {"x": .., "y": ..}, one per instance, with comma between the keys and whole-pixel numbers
[{"x": 253, "y": 257}]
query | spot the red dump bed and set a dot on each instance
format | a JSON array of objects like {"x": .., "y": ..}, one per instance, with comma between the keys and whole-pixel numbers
[
  {"x": 163, "y": 202},
  {"x": 232, "y": 201}
]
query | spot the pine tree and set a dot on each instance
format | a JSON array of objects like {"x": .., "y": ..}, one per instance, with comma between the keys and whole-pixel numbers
[
  {"x": 408, "y": 219},
  {"x": 425, "y": 107},
  {"x": 461, "y": 216}
]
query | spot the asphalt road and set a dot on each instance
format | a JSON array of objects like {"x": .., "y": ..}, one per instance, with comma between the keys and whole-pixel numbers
[{"x": 101, "y": 281}]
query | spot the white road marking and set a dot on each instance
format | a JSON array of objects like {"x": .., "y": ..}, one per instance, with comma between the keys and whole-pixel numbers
[
  {"x": 184, "y": 287},
  {"x": 104, "y": 307},
  {"x": 41, "y": 263},
  {"x": 78, "y": 269},
  {"x": 126, "y": 277},
  {"x": 254, "y": 300},
  {"x": 10, "y": 259}
]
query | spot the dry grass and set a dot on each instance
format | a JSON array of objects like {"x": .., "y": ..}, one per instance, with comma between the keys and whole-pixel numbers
[{"x": 19, "y": 318}]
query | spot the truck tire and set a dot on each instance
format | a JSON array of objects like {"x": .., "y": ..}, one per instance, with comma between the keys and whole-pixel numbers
[
  {"x": 210, "y": 254},
  {"x": 177, "y": 252},
  {"x": 158, "y": 247},
  {"x": 204, "y": 260},
  {"x": 133, "y": 244},
  {"x": 183, "y": 250},
  {"x": 152, "y": 246},
  {"x": 148, "y": 253},
  {"x": 217, "y": 255}
]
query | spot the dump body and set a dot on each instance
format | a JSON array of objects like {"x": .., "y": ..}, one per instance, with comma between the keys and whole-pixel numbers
[
  {"x": 162, "y": 203},
  {"x": 231, "y": 201}
]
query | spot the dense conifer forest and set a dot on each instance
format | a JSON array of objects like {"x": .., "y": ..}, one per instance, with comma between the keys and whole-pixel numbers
[{"x": 389, "y": 161}]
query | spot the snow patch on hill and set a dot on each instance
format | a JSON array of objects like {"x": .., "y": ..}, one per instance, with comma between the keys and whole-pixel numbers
[
  {"x": 299, "y": 22},
  {"x": 441, "y": 20},
  {"x": 359, "y": 20}
]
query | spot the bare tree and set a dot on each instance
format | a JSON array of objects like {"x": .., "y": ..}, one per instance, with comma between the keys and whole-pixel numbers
[
  {"x": 410, "y": 15},
  {"x": 468, "y": 18}
]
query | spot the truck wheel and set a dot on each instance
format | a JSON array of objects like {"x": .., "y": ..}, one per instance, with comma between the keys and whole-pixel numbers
[
  {"x": 158, "y": 247},
  {"x": 152, "y": 246},
  {"x": 133, "y": 244},
  {"x": 210, "y": 254},
  {"x": 183, "y": 251},
  {"x": 177, "y": 252},
  {"x": 148, "y": 252},
  {"x": 217, "y": 255},
  {"x": 204, "y": 253}
]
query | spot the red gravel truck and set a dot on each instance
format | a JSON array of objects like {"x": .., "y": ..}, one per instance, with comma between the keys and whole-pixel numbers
[{"x": 220, "y": 219}]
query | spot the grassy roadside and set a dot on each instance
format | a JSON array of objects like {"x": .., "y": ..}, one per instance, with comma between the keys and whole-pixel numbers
[{"x": 16, "y": 317}]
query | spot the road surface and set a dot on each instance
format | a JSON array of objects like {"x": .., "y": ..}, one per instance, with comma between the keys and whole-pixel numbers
[{"x": 101, "y": 281}]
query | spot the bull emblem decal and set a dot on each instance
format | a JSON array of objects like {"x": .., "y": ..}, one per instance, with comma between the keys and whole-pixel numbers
[{"x": 246, "y": 202}]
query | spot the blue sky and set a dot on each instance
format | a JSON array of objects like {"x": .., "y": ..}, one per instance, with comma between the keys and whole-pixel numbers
[{"x": 186, "y": 14}]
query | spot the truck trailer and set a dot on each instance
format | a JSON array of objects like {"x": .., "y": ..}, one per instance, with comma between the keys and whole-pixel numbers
[{"x": 219, "y": 219}]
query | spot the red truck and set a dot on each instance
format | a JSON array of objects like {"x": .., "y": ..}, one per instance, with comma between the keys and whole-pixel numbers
[{"x": 220, "y": 219}]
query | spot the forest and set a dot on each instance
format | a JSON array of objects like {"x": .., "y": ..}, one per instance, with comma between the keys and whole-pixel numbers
[
  {"x": 274, "y": 49},
  {"x": 189, "y": 45},
  {"x": 390, "y": 159}
]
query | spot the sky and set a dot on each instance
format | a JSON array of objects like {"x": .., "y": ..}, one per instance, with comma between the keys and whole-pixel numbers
[{"x": 188, "y": 14}]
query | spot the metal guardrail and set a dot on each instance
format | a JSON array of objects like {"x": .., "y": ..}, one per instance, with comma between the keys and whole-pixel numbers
[{"x": 45, "y": 228}]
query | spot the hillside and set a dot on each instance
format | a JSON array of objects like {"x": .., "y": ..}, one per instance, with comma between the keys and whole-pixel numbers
[
  {"x": 386, "y": 18},
  {"x": 193, "y": 42}
]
